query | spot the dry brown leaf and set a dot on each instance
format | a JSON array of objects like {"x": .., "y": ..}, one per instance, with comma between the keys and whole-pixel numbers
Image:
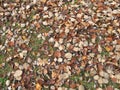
[
  {"x": 100, "y": 67},
  {"x": 84, "y": 57},
  {"x": 114, "y": 79},
  {"x": 57, "y": 54},
  {"x": 73, "y": 85},
  {"x": 54, "y": 74},
  {"x": 38, "y": 87},
  {"x": 11, "y": 43},
  {"x": 109, "y": 39},
  {"x": 109, "y": 48},
  {"x": 1, "y": 9},
  {"x": 109, "y": 88}
]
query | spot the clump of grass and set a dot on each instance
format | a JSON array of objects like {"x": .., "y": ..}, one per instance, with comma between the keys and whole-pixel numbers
[{"x": 2, "y": 82}]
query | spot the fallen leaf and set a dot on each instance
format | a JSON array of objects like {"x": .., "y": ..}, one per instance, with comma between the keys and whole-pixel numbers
[
  {"x": 107, "y": 48},
  {"x": 1, "y": 9},
  {"x": 109, "y": 88},
  {"x": 38, "y": 87},
  {"x": 54, "y": 75},
  {"x": 84, "y": 57},
  {"x": 11, "y": 43},
  {"x": 57, "y": 54}
]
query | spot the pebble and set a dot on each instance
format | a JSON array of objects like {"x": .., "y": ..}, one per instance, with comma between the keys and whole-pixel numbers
[
  {"x": 68, "y": 55},
  {"x": 81, "y": 87}
]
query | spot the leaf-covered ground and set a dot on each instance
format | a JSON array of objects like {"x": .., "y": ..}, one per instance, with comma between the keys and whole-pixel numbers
[{"x": 59, "y": 45}]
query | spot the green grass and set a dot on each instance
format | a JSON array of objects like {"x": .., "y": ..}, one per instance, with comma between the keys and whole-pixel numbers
[
  {"x": 1, "y": 59},
  {"x": 2, "y": 82}
]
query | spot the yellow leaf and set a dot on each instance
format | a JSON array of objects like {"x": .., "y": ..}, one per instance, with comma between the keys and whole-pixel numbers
[
  {"x": 38, "y": 87},
  {"x": 108, "y": 48},
  {"x": 24, "y": 37},
  {"x": 54, "y": 74},
  {"x": 84, "y": 57}
]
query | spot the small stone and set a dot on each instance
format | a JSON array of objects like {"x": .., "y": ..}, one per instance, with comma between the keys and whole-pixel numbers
[
  {"x": 96, "y": 77},
  {"x": 7, "y": 83},
  {"x": 81, "y": 87},
  {"x": 68, "y": 55},
  {"x": 60, "y": 59}
]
